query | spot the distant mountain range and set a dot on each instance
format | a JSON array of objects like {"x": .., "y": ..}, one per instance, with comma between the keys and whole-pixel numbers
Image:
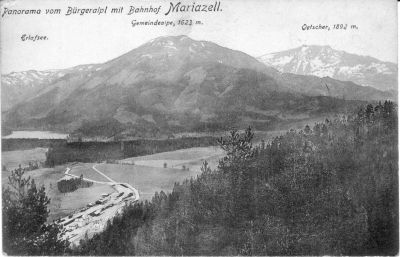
[
  {"x": 171, "y": 84},
  {"x": 20, "y": 86},
  {"x": 324, "y": 61}
]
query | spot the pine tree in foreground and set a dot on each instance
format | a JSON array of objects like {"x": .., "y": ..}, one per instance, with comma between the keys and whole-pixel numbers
[{"x": 25, "y": 212}]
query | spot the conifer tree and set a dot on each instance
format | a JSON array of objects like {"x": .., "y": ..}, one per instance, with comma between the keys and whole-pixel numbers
[{"x": 25, "y": 213}]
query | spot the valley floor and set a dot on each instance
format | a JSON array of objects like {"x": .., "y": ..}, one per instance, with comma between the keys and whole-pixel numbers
[{"x": 148, "y": 174}]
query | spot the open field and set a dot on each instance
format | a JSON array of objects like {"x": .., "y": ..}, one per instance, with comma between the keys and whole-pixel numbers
[
  {"x": 148, "y": 175},
  {"x": 183, "y": 154},
  {"x": 191, "y": 158},
  {"x": 147, "y": 180},
  {"x": 11, "y": 159},
  {"x": 87, "y": 171}
]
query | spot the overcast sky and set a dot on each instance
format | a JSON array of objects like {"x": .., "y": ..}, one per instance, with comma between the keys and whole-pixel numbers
[{"x": 254, "y": 27}]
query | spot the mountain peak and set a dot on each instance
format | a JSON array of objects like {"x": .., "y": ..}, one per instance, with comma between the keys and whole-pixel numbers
[
  {"x": 313, "y": 47},
  {"x": 176, "y": 44},
  {"x": 170, "y": 40}
]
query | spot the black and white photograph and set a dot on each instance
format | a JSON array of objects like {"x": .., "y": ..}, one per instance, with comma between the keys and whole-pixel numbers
[{"x": 199, "y": 128}]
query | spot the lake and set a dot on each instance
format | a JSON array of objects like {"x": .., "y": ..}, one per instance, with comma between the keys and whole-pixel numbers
[{"x": 36, "y": 134}]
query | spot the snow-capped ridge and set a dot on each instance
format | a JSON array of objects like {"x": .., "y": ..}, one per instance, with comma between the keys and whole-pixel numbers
[{"x": 325, "y": 61}]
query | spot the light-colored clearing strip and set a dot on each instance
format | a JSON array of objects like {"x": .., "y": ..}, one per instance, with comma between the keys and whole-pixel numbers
[{"x": 101, "y": 173}]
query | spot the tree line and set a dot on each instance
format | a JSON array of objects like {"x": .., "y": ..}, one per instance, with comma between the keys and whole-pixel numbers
[
  {"x": 72, "y": 184},
  {"x": 32, "y": 165},
  {"x": 117, "y": 150}
]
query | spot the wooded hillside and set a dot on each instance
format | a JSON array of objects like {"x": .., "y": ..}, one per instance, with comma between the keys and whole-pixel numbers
[{"x": 329, "y": 189}]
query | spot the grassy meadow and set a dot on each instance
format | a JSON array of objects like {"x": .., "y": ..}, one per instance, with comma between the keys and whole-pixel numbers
[{"x": 12, "y": 159}]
